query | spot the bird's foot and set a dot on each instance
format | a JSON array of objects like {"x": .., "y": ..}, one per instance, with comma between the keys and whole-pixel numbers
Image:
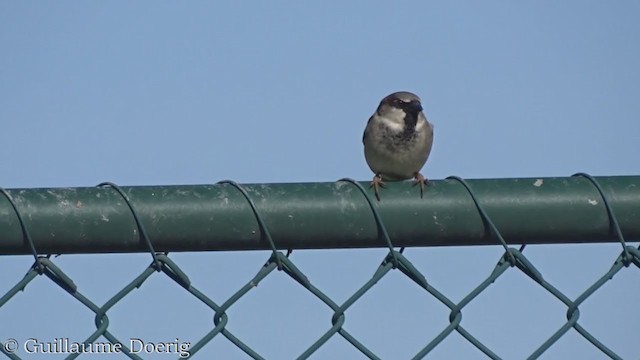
[
  {"x": 376, "y": 184},
  {"x": 422, "y": 181}
]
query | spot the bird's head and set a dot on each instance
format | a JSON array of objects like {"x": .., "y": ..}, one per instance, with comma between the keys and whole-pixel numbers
[{"x": 400, "y": 105}]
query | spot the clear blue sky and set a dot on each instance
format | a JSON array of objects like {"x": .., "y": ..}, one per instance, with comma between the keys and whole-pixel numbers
[{"x": 146, "y": 93}]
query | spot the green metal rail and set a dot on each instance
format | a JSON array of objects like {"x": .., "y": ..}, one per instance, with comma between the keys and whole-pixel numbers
[{"x": 317, "y": 215}]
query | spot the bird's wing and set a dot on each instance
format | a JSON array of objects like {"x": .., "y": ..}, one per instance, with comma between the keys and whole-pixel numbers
[{"x": 366, "y": 129}]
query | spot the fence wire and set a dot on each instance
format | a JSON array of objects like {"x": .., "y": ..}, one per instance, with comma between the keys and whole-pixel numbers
[{"x": 395, "y": 260}]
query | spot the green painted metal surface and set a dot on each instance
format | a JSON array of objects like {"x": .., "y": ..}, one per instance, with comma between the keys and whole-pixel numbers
[{"x": 318, "y": 215}]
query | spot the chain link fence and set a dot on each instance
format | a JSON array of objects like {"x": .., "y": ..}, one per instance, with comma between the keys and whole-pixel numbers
[{"x": 104, "y": 340}]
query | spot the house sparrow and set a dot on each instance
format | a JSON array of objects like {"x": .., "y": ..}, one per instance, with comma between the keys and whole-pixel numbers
[{"x": 397, "y": 140}]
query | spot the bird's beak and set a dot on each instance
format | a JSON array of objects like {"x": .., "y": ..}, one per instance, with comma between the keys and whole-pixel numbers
[{"x": 416, "y": 106}]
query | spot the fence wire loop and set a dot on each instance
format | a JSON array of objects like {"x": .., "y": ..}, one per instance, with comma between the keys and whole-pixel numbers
[
  {"x": 25, "y": 232},
  {"x": 263, "y": 227},
  {"x": 526, "y": 266},
  {"x": 487, "y": 220},
  {"x": 139, "y": 224},
  {"x": 173, "y": 271},
  {"x": 57, "y": 275},
  {"x": 635, "y": 255},
  {"x": 613, "y": 221},
  {"x": 379, "y": 223}
]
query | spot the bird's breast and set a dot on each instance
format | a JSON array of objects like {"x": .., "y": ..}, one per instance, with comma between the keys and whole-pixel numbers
[{"x": 398, "y": 153}]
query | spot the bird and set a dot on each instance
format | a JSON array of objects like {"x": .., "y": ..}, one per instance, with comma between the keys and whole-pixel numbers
[{"x": 397, "y": 140}]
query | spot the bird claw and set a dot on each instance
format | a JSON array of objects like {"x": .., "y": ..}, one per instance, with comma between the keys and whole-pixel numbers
[
  {"x": 422, "y": 181},
  {"x": 376, "y": 184}
]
